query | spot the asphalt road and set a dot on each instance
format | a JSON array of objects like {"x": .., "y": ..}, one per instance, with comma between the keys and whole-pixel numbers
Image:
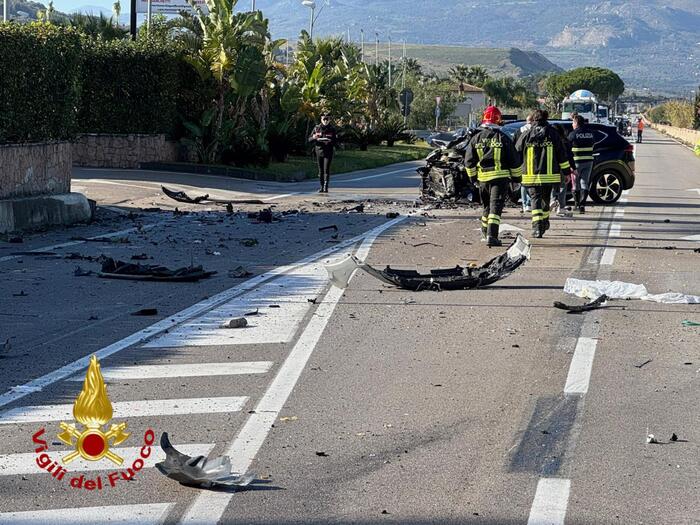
[{"x": 373, "y": 404}]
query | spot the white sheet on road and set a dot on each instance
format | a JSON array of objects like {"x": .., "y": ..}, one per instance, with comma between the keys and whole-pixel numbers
[
  {"x": 272, "y": 325},
  {"x": 622, "y": 290}
]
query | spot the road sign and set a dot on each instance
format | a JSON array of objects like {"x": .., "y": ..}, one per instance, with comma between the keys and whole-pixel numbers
[
  {"x": 437, "y": 111},
  {"x": 406, "y": 96},
  {"x": 169, "y": 7}
]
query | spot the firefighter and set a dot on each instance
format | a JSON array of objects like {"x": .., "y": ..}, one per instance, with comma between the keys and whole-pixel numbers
[
  {"x": 324, "y": 138},
  {"x": 582, "y": 141},
  {"x": 491, "y": 160},
  {"x": 544, "y": 158}
]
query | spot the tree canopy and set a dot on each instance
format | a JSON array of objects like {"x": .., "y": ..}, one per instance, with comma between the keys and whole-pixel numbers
[{"x": 606, "y": 84}]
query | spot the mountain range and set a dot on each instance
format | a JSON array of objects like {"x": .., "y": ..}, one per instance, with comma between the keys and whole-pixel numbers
[{"x": 652, "y": 44}]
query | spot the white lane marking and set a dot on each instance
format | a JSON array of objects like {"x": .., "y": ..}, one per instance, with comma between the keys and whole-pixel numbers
[
  {"x": 184, "y": 315},
  {"x": 290, "y": 296},
  {"x": 117, "y": 373},
  {"x": 143, "y": 514},
  {"x": 615, "y": 230},
  {"x": 209, "y": 506},
  {"x": 695, "y": 189},
  {"x": 619, "y": 213},
  {"x": 595, "y": 255},
  {"x": 25, "y": 463},
  {"x": 128, "y": 409},
  {"x": 551, "y": 500},
  {"x": 281, "y": 196},
  {"x": 368, "y": 177},
  {"x": 695, "y": 238},
  {"x": 626, "y": 192},
  {"x": 608, "y": 257},
  {"x": 581, "y": 366},
  {"x": 123, "y": 183},
  {"x": 75, "y": 243}
]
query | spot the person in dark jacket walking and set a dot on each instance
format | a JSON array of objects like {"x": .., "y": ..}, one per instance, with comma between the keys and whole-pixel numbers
[
  {"x": 582, "y": 141},
  {"x": 544, "y": 158},
  {"x": 491, "y": 159},
  {"x": 324, "y": 138}
]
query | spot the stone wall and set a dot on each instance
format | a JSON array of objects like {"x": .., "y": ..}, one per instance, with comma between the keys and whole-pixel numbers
[
  {"x": 27, "y": 170},
  {"x": 122, "y": 151},
  {"x": 690, "y": 136}
]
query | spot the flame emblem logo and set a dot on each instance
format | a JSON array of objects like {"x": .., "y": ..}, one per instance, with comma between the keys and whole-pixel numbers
[{"x": 93, "y": 410}]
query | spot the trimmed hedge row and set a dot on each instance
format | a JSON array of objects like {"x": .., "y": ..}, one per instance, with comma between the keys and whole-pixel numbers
[
  {"x": 39, "y": 88},
  {"x": 55, "y": 83}
]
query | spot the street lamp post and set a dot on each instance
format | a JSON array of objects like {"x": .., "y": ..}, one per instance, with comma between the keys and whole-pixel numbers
[
  {"x": 4, "y": 10},
  {"x": 362, "y": 45},
  {"x": 311, "y": 4},
  {"x": 389, "y": 61},
  {"x": 376, "y": 48}
]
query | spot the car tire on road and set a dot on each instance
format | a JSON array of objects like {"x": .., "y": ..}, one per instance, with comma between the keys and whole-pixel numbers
[{"x": 606, "y": 187}]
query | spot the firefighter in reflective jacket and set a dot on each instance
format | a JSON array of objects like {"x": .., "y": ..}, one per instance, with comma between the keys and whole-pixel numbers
[
  {"x": 544, "y": 158},
  {"x": 491, "y": 160}
]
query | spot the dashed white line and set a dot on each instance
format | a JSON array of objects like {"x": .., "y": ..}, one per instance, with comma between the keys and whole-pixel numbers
[
  {"x": 615, "y": 230},
  {"x": 551, "y": 500},
  {"x": 117, "y": 373},
  {"x": 25, "y": 463},
  {"x": 581, "y": 366},
  {"x": 128, "y": 409},
  {"x": 143, "y": 514},
  {"x": 608, "y": 257}
]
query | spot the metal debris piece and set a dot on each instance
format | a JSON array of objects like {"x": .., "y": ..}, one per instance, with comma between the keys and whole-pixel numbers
[
  {"x": 686, "y": 322},
  {"x": 249, "y": 242},
  {"x": 80, "y": 257},
  {"x": 641, "y": 365},
  {"x": 457, "y": 278},
  {"x": 254, "y": 312},
  {"x": 181, "y": 196},
  {"x": 112, "y": 240},
  {"x": 146, "y": 312},
  {"x": 326, "y": 228},
  {"x": 577, "y": 309},
  {"x": 392, "y": 215},
  {"x": 427, "y": 244},
  {"x": 140, "y": 257},
  {"x": 199, "y": 471},
  {"x": 239, "y": 272},
  {"x": 264, "y": 216},
  {"x": 112, "y": 269},
  {"x": 15, "y": 240},
  {"x": 674, "y": 437},
  {"x": 236, "y": 322},
  {"x": 21, "y": 293},
  {"x": 35, "y": 254}
]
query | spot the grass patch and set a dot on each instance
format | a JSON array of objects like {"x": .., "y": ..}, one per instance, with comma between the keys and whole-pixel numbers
[{"x": 347, "y": 161}]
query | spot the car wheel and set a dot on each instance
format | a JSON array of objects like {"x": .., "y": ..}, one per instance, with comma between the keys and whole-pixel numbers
[{"x": 606, "y": 187}]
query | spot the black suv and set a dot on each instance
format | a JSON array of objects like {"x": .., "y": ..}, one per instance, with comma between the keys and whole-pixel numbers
[{"x": 613, "y": 167}]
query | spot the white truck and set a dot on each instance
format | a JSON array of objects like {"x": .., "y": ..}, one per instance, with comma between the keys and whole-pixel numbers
[{"x": 585, "y": 104}]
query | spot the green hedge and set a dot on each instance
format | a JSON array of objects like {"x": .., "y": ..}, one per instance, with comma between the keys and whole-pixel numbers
[
  {"x": 39, "y": 86},
  {"x": 128, "y": 87}
]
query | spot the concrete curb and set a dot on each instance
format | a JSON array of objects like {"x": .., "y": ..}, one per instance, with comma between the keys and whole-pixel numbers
[{"x": 32, "y": 213}]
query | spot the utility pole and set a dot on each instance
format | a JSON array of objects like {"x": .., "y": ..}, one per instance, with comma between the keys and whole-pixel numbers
[
  {"x": 348, "y": 35},
  {"x": 362, "y": 45},
  {"x": 403, "y": 62},
  {"x": 389, "y": 61},
  {"x": 4, "y": 10},
  {"x": 252, "y": 5},
  {"x": 311, "y": 23},
  {"x": 376, "y": 48},
  {"x": 132, "y": 19},
  {"x": 148, "y": 17}
]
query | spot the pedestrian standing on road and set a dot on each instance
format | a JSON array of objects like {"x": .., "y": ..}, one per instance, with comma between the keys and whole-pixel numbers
[
  {"x": 544, "y": 157},
  {"x": 582, "y": 141},
  {"x": 524, "y": 196},
  {"x": 491, "y": 160},
  {"x": 561, "y": 192},
  {"x": 640, "y": 129},
  {"x": 324, "y": 138}
]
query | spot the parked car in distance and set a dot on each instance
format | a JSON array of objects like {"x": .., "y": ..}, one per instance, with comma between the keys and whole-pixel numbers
[{"x": 613, "y": 167}]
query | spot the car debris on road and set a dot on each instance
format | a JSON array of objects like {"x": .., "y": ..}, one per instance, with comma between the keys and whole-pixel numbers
[
  {"x": 457, "y": 278},
  {"x": 600, "y": 302},
  {"x": 181, "y": 196},
  {"x": 199, "y": 471},
  {"x": 113, "y": 269}
]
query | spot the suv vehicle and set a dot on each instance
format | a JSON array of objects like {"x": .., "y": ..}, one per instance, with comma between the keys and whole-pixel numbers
[{"x": 613, "y": 167}]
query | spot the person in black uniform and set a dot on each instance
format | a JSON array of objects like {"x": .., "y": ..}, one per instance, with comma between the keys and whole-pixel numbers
[
  {"x": 544, "y": 159},
  {"x": 491, "y": 160},
  {"x": 324, "y": 138},
  {"x": 582, "y": 141}
]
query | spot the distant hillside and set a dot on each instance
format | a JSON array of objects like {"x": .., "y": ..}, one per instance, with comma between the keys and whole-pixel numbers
[
  {"x": 497, "y": 61},
  {"x": 28, "y": 10}
]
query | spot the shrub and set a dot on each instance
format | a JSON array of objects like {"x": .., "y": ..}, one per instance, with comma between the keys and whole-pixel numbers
[
  {"x": 39, "y": 82},
  {"x": 129, "y": 87}
]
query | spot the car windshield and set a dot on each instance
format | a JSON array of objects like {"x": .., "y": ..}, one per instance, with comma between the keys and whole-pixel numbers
[
  {"x": 579, "y": 107},
  {"x": 602, "y": 112}
]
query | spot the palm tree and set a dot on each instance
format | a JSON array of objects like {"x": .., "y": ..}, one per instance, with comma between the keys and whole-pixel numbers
[
  {"x": 477, "y": 76},
  {"x": 459, "y": 75},
  {"x": 117, "y": 10}
]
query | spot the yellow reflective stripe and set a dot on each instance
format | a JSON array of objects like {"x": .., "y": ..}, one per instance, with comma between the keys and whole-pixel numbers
[
  {"x": 472, "y": 172},
  {"x": 531, "y": 160},
  {"x": 550, "y": 158},
  {"x": 582, "y": 150},
  {"x": 545, "y": 215},
  {"x": 537, "y": 179},
  {"x": 517, "y": 172},
  {"x": 564, "y": 165},
  {"x": 497, "y": 158},
  {"x": 537, "y": 215},
  {"x": 485, "y": 176},
  {"x": 494, "y": 219}
]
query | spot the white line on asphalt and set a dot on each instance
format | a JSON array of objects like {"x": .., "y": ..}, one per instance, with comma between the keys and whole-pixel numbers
[
  {"x": 608, "y": 257},
  {"x": 128, "y": 409},
  {"x": 25, "y": 463},
  {"x": 75, "y": 243},
  {"x": 615, "y": 230},
  {"x": 209, "y": 507},
  {"x": 581, "y": 366},
  {"x": 626, "y": 192},
  {"x": 695, "y": 238},
  {"x": 368, "y": 177},
  {"x": 619, "y": 213},
  {"x": 551, "y": 500},
  {"x": 143, "y": 514},
  {"x": 281, "y": 196},
  {"x": 695, "y": 189},
  {"x": 117, "y": 373},
  {"x": 124, "y": 183},
  {"x": 290, "y": 296},
  {"x": 595, "y": 255},
  {"x": 180, "y": 317}
]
